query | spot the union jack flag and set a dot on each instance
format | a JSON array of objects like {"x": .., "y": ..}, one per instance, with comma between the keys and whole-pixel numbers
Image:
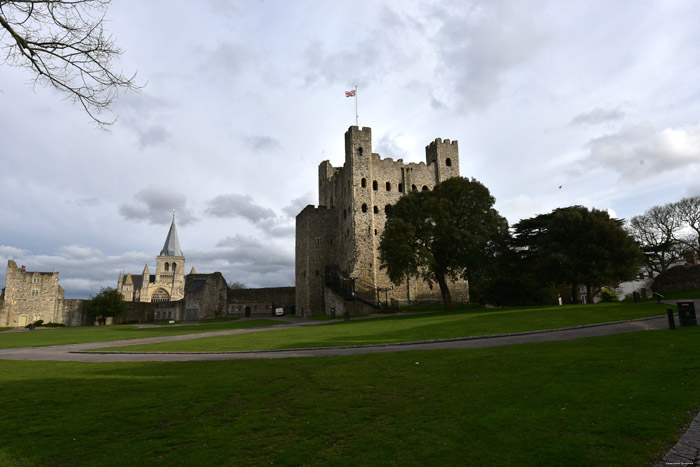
[{"x": 350, "y": 93}]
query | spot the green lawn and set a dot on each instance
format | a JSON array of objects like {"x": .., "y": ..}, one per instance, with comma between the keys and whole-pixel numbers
[
  {"x": 76, "y": 335},
  {"x": 414, "y": 327},
  {"x": 608, "y": 401},
  {"x": 682, "y": 295}
]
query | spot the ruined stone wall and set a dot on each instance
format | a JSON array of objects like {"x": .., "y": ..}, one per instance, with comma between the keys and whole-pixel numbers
[
  {"x": 260, "y": 302},
  {"x": 206, "y": 296},
  {"x": 677, "y": 279},
  {"x": 30, "y": 296},
  {"x": 363, "y": 191}
]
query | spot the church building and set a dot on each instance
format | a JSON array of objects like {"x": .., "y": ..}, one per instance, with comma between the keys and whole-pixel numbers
[{"x": 167, "y": 284}]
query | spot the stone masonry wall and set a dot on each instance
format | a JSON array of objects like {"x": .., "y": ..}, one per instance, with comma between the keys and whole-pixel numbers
[
  {"x": 205, "y": 296},
  {"x": 30, "y": 296},
  {"x": 260, "y": 302}
]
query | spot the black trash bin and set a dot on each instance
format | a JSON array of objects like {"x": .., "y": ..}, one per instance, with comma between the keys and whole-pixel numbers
[
  {"x": 686, "y": 313},
  {"x": 332, "y": 313}
]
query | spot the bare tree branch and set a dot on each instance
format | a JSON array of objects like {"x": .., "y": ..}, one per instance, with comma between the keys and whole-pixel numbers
[{"x": 63, "y": 43}]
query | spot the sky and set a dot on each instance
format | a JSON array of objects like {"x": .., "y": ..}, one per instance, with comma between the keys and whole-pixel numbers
[{"x": 553, "y": 103}]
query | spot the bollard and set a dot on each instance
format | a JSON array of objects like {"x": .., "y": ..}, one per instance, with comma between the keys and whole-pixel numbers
[{"x": 671, "y": 322}]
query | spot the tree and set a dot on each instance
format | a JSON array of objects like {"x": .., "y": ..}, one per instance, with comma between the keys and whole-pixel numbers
[
  {"x": 688, "y": 212},
  {"x": 108, "y": 302},
  {"x": 657, "y": 232},
  {"x": 578, "y": 246},
  {"x": 447, "y": 233},
  {"x": 235, "y": 285},
  {"x": 64, "y": 44}
]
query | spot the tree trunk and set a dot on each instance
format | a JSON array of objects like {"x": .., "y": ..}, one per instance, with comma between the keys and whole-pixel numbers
[
  {"x": 444, "y": 290},
  {"x": 574, "y": 293}
]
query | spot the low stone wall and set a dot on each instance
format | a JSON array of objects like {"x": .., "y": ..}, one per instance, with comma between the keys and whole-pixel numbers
[
  {"x": 260, "y": 302},
  {"x": 677, "y": 279}
]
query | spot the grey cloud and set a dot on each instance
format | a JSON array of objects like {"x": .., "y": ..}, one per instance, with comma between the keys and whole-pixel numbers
[
  {"x": 88, "y": 202},
  {"x": 235, "y": 205},
  {"x": 480, "y": 44},
  {"x": 155, "y": 204},
  {"x": 387, "y": 147},
  {"x": 80, "y": 252},
  {"x": 297, "y": 204},
  {"x": 642, "y": 150},
  {"x": 598, "y": 115},
  {"x": 152, "y": 136},
  {"x": 260, "y": 143}
]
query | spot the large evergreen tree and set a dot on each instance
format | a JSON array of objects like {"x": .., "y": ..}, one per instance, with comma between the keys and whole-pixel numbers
[
  {"x": 578, "y": 246},
  {"x": 448, "y": 233}
]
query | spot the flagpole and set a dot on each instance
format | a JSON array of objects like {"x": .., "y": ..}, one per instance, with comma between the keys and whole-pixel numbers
[{"x": 357, "y": 115}]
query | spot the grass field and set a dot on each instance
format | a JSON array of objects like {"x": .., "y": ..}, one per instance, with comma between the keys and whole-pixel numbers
[
  {"x": 76, "y": 335},
  {"x": 607, "y": 401},
  {"x": 470, "y": 322},
  {"x": 682, "y": 295}
]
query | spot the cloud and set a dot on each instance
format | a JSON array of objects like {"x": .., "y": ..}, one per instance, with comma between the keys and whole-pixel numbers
[
  {"x": 235, "y": 205},
  {"x": 259, "y": 143},
  {"x": 387, "y": 146},
  {"x": 152, "y": 136},
  {"x": 79, "y": 252},
  {"x": 297, "y": 204},
  {"x": 88, "y": 202},
  {"x": 8, "y": 252},
  {"x": 155, "y": 204},
  {"x": 479, "y": 44},
  {"x": 598, "y": 115},
  {"x": 641, "y": 150}
]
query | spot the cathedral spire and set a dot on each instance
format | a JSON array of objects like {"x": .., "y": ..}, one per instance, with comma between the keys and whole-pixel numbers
[{"x": 172, "y": 244}]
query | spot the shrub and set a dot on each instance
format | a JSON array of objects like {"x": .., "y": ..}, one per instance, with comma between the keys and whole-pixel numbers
[
  {"x": 607, "y": 296},
  {"x": 53, "y": 325}
]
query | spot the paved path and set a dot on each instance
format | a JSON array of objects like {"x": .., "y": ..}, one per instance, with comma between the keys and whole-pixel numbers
[{"x": 78, "y": 352}]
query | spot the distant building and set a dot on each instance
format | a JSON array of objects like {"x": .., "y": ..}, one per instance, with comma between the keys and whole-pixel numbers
[
  {"x": 30, "y": 296},
  {"x": 167, "y": 284}
]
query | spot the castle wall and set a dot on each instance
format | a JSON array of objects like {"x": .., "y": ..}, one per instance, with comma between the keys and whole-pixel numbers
[
  {"x": 316, "y": 241},
  {"x": 260, "y": 302},
  {"x": 205, "y": 296}
]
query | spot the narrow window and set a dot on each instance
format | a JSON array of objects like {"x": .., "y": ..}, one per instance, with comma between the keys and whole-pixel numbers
[
  {"x": 318, "y": 240},
  {"x": 425, "y": 188},
  {"x": 388, "y": 186},
  {"x": 400, "y": 187},
  {"x": 364, "y": 182},
  {"x": 448, "y": 162},
  {"x": 174, "y": 267},
  {"x": 414, "y": 188},
  {"x": 375, "y": 231},
  {"x": 316, "y": 272},
  {"x": 387, "y": 209},
  {"x": 359, "y": 151},
  {"x": 376, "y": 210},
  {"x": 331, "y": 241},
  {"x": 167, "y": 267},
  {"x": 364, "y": 207},
  {"x": 375, "y": 185}
]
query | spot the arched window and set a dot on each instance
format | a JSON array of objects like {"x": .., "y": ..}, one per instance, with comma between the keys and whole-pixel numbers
[
  {"x": 376, "y": 210},
  {"x": 400, "y": 187},
  {"x": 425, "y": 188},
  {"x": 359, "y": 151},
  {"x": 167, "y": 267},
  {"x": 364, "y": 207},
  {"x": 174, "y": 267},
  {"x": 388, "y": 186},
  {"x": 375, "y": 185},
  {"x": 387, "y": 209},
  {"x": 160, "y": 296},
  {"x": 363, "y": 182},
  {"x": 414, "y": 188},
  {"x": 448, "y": 162}
]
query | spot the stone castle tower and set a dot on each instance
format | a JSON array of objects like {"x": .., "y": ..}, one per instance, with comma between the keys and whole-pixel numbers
[
  {"x": 339, "y": 240},
  {"x": 167, "y": 284}
]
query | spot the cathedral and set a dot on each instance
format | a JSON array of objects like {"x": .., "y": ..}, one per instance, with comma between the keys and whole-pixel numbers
[{"x": 167, "y": 284}]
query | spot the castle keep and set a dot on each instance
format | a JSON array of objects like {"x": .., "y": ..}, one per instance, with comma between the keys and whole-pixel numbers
[{"x": 337, "y": 243}]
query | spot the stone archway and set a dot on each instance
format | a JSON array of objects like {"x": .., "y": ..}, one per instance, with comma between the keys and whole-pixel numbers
[{"x": 160, "y": 295}]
